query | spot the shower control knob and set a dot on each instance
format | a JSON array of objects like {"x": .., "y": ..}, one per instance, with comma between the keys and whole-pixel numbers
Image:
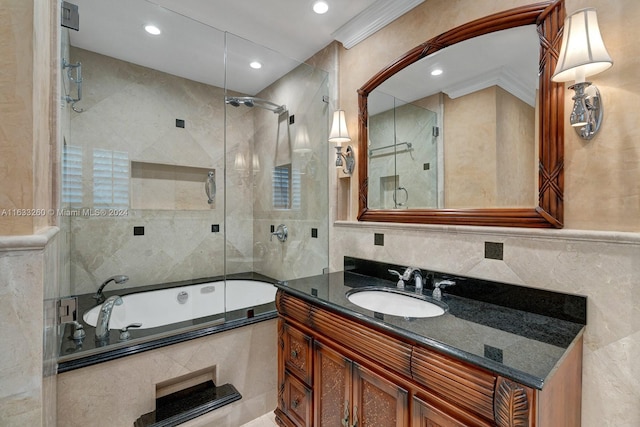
[{"x": 281, "y": 232}]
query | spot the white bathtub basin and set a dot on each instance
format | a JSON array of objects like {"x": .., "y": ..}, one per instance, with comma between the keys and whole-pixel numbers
[
  {"x": 395, "y": 303},
  {"x": 166, "y": 306}
]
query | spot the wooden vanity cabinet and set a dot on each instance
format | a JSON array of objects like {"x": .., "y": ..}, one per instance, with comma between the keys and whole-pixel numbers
[
  {"x": 348, "y": 394},
  {"x": 334, "y": 371}
]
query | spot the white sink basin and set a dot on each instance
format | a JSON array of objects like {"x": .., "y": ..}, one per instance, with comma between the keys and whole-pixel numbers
[{"x": 395, "y": 302}]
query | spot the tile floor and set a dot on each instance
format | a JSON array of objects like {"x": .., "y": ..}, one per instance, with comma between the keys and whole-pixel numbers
[{"x": 267, "y": 420}]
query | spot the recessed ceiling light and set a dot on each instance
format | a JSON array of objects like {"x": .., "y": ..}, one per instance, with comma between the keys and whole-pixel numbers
[
  {"x": 255, "y": 65},
  {"x": 152, "y": 29},
  {"x": 320, "y": 7},
  {"x": 436, "y": 72}
]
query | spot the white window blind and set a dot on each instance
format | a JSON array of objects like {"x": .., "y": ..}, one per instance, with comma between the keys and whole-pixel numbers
[
  {"x": 72, "y": 176},
  {"x": 110, "y": 179},
  {"x": 286, "y": 185}
]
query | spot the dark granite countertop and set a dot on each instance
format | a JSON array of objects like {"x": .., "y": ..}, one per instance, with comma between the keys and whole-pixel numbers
[{"x": 525, "y": 346}]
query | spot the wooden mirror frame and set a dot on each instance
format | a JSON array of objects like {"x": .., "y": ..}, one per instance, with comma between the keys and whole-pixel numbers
[{"x": 548, "y": 16}]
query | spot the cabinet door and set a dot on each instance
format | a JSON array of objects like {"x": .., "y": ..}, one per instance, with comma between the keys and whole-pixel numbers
[
  {"x": 427, "y": 415},
  {"x": 377, "y": 401},
  {"x": 332, "y": 382}
]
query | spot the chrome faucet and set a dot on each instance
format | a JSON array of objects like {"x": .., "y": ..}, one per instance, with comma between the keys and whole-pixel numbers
[
  {"x": 99, "y": 297},
  {"x": 102, "y": 326},
  {"x": 408, "y": 272}
]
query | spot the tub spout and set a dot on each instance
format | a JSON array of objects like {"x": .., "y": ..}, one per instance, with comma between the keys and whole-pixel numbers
[
  {"x": 117, "y": 279},
  {"x": 102, "y": 326}
]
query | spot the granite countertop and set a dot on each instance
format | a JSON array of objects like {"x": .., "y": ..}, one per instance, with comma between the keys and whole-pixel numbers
[{"x": 525, "y": 346}]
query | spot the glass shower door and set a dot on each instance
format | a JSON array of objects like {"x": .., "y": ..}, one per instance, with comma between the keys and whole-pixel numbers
[{"x": 277, "y": 172}]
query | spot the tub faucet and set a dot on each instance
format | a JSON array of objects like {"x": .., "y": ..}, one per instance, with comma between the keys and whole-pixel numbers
[
  {"x": 102, "y": 326},
  {"x": 99, "y": 297}
]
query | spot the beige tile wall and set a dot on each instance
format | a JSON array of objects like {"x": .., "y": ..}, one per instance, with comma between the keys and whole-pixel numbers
[
  {"x": 26, "y": 264},
  {"x": 601, "y": 194},
  {"x": 17, "y": 109},
  {"x": 116, "y": 393}
]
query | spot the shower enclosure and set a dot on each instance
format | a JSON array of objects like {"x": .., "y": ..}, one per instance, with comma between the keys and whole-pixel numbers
[
  {"x": 405, "y": 152},
  {"x": 180, "y": 163}
]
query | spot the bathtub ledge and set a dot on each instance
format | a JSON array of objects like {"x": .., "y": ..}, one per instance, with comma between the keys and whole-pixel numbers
[{"x": 135, "y": 348}]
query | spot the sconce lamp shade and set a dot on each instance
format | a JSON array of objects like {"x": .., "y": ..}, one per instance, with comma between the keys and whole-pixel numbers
[
  {"x": 583, "y": 52},
  {"x": 339, "y": 131},
  {"x": 302, "y": 143},
  {"x": 240, "y": 164}
]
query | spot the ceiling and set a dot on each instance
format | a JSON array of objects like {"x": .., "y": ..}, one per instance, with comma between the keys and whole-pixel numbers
[
  {"x": 282, "y": 34},
  {"x": 278, "y": 33}
]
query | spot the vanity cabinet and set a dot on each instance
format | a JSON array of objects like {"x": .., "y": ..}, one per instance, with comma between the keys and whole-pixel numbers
[
  {"x": 337, "y": 370},
  {"x": 348, "y": 394}
]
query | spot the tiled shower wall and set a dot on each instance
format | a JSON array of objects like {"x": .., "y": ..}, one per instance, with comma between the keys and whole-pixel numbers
[{"x": 132, "y": 109}]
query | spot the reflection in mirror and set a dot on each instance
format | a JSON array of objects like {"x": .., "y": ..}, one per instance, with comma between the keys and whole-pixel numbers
[
  {"x": 485, "y": 89},
  {"x": 496, "y": 132},
  {"x": 403, "y": 153}
]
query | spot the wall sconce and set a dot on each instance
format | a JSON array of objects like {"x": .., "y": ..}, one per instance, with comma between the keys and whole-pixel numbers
[
  {"x": 255, "y": 163},
  {"x": 340, "y": 134},
  {"x": 302, "y": 143},
  {"x": 240, "y": 164},
  {"x": 583, "y": 54}
]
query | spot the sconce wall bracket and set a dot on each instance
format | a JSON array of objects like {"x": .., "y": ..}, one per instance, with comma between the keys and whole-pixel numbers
[
  {"x": 586, "y": 116},
  {"x": 349, "y": 159}
]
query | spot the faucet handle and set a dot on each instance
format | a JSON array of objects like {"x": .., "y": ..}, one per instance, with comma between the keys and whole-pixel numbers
[
  {"x": 400, "y": 283},
  {"x": 124, "y": 332},
  {"x": 443, "y": 283},
  {"x": 395, "y": 273},
  {"x": 78, "y": 330},
  {"x": 438, "y": 284}
]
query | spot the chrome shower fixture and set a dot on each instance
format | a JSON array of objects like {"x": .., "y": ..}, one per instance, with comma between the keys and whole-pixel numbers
[
  {"x": 251, "y": 101},
  {"x": 77, "y": 80}
]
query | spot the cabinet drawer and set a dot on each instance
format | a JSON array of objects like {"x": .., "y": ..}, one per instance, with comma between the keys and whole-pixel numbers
[
  {"x": 297, "y": 400},
  {"x": 297, "y": 353},
  {"x": 470, "y": 387}
]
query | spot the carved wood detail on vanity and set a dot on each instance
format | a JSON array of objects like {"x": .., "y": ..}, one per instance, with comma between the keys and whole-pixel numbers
[
  {"x": 468, "y": 385},
  {"x": 388, "y": 351},
  {"x": 512, "y": 404},
  {"x": 345, "y": 372}
]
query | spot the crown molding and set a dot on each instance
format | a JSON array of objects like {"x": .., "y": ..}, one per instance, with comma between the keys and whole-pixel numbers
[{"x": 371, "y": 20}]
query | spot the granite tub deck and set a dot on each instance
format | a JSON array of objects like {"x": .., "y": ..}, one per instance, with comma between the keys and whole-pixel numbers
[
  {"x": 516, "y": 332},
  {"x": 76, "y": 354}
]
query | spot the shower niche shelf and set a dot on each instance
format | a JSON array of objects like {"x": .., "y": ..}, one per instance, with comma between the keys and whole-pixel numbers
[{"x": 160, "y": 186}]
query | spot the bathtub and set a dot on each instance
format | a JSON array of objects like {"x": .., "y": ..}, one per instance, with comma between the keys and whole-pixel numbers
[{"x": 173, "y": 305}]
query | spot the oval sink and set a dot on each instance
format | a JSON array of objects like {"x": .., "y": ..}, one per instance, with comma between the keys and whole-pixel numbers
[{"x": 396, "y": 303}]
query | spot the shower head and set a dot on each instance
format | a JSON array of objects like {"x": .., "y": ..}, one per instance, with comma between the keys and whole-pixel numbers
[{"x": 251, "y": 101}]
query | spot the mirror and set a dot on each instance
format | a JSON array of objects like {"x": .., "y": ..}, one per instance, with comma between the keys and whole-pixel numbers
[{"x": 417, "y": 164}]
